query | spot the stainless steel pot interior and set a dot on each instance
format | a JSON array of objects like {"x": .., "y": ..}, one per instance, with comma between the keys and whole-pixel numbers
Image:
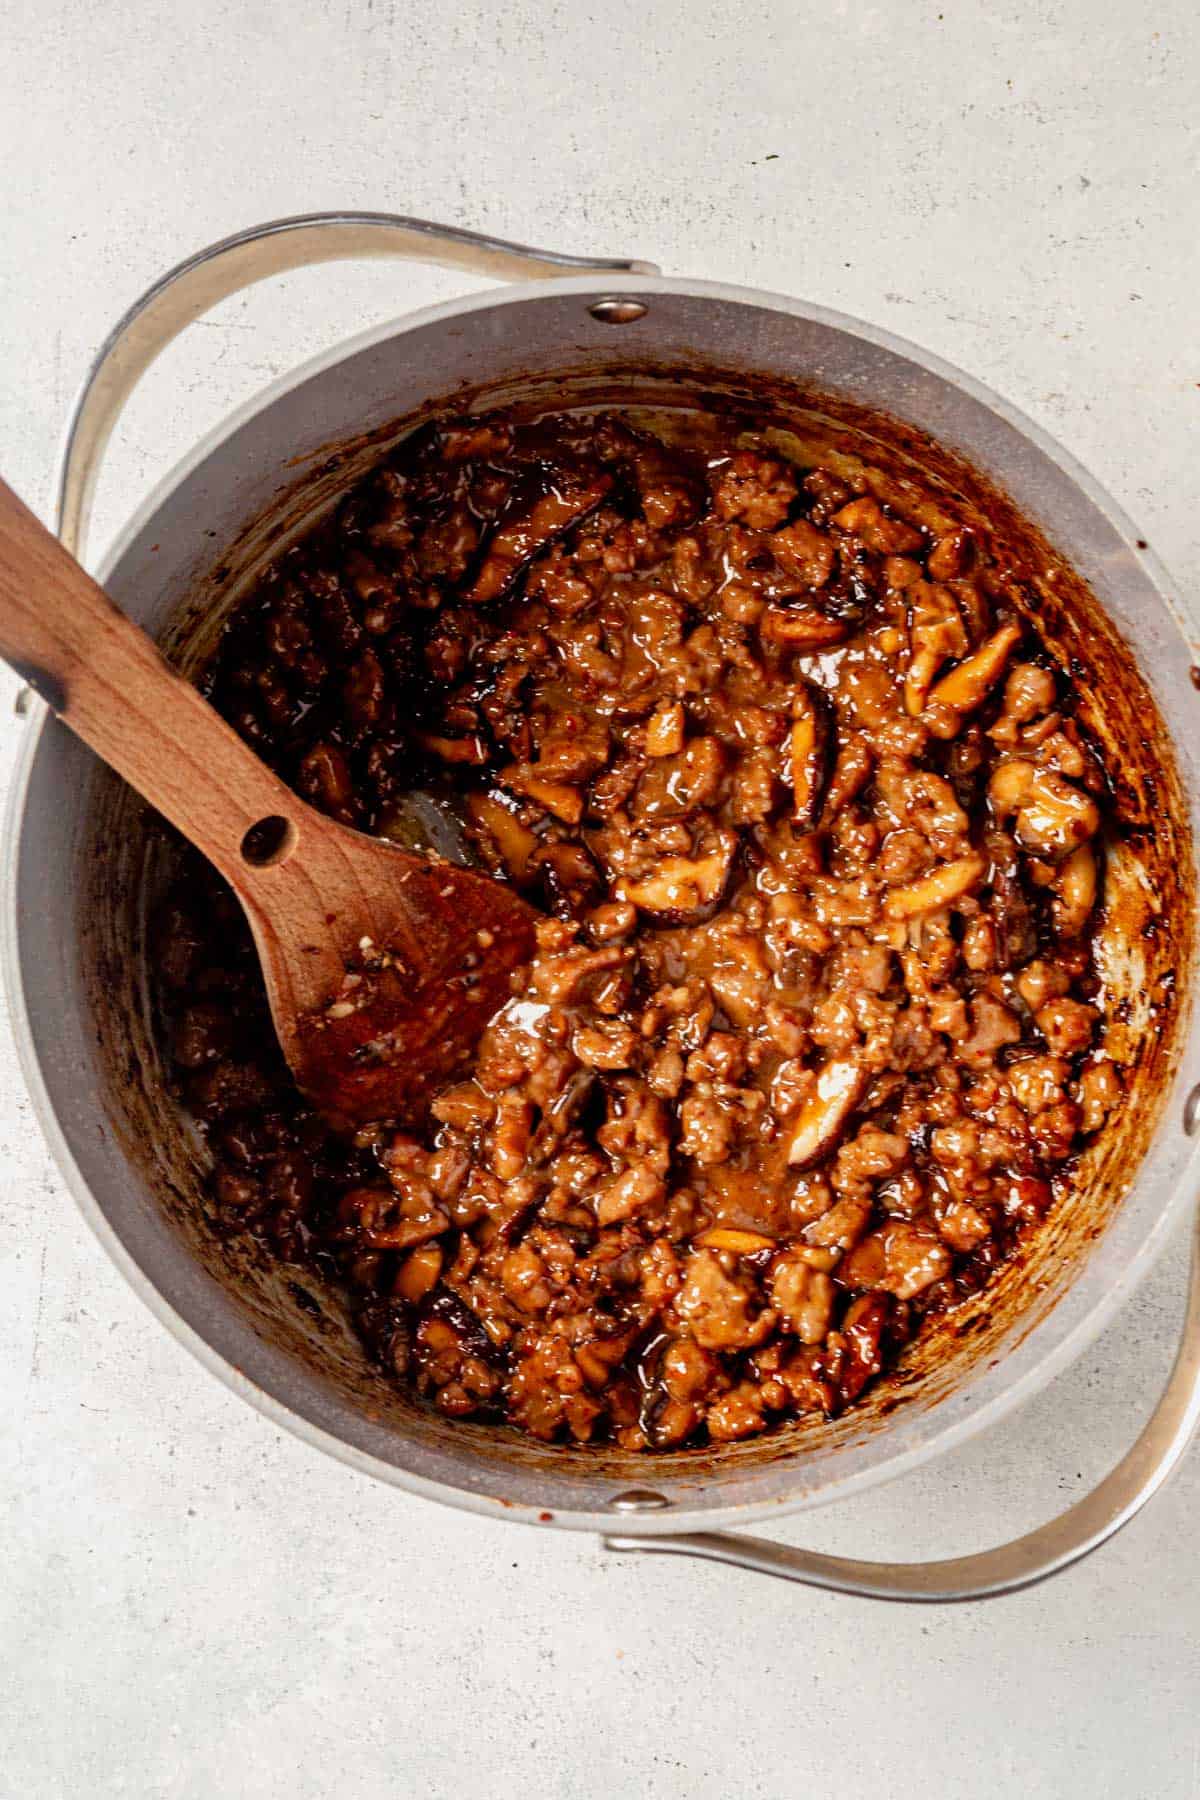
[{"x": 84, "y": 863}]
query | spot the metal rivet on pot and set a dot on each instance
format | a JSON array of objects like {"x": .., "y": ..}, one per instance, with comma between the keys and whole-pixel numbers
[
  {"x": 1191, "y": 1112},
  {"x": 636, "y": 1500},
  {"x": 618, "y": 312}
]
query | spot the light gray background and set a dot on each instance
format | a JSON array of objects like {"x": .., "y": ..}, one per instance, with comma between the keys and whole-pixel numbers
[{"x": 192, "y": 1605}]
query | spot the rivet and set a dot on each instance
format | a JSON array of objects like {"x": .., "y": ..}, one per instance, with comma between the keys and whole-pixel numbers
[
  {"x": 618, "y": 312},
  {"x": 1191, "y": 1112},
  {"x": 636, "y": 1500}
]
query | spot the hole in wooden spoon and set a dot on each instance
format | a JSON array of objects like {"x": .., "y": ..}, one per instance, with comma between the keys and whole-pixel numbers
[{"x": 269, "y": 841}]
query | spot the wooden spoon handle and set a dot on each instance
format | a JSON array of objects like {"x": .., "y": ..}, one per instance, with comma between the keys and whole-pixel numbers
[{"x": 108, "y": 682}]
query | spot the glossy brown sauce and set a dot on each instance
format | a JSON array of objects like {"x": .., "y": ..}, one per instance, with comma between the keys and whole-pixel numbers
[{"x": 810, "y": 1037}]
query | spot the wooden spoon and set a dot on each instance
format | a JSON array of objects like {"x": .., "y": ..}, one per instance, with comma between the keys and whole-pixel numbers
[{"x": 382, "y": 967}]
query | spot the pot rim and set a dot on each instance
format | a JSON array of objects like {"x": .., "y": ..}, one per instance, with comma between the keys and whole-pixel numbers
[{"x": 1023, "y": 1370}]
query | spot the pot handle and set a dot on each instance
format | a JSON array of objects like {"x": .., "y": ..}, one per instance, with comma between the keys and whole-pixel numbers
[
  {"x": 1021, "y": 1563},
  {"x": 196, "y": 285}
]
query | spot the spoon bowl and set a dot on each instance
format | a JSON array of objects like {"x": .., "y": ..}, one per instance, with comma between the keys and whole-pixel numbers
[{"x": 382, "y": 966}]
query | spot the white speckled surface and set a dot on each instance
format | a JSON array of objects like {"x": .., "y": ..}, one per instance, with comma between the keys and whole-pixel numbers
[{"x": 194, "y": 1607}]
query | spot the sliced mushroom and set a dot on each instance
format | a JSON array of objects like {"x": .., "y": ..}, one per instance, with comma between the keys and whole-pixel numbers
[
  {"x": 811, "y": 750},
  {"x": 968, "y": 685},
  {"x": 951, "y": 554},
  {"x": 514, "y": 841},
  {"x": 941, "y": 887},
  {"x": 518, "y": 539},
  {"x": 555, "y": 796},
  {"x": 936, "y": 633},
  {"x": 862, "y": 1328},
  {"x": 418, "y": 1273},
  {"x": 452, "y": 750},
  {"x": 866, "y": 520},
  {"x": 802, "y": 627},
  {"x": 851, "y": 772},
  {"x": 684, "y": 890},
  {"x": 740, "y": 1243},
  {"x": 1075, "y": 891},
  {"x": 568, "y": 876},
  {"x": 839, "y": 1088}
]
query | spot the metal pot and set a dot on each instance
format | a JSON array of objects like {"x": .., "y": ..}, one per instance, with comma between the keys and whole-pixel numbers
[{"x": 80, "y": 861}]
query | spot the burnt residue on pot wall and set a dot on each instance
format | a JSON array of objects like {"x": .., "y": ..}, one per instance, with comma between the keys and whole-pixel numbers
[{"x": 1147, "y": 935}]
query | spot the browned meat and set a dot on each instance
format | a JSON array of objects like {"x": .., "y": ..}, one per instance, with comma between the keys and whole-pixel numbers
[{"x": 811, "y": 1034}]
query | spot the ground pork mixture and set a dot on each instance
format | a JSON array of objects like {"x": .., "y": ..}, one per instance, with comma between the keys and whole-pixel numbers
[{"x": 813, "y": 1031}]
